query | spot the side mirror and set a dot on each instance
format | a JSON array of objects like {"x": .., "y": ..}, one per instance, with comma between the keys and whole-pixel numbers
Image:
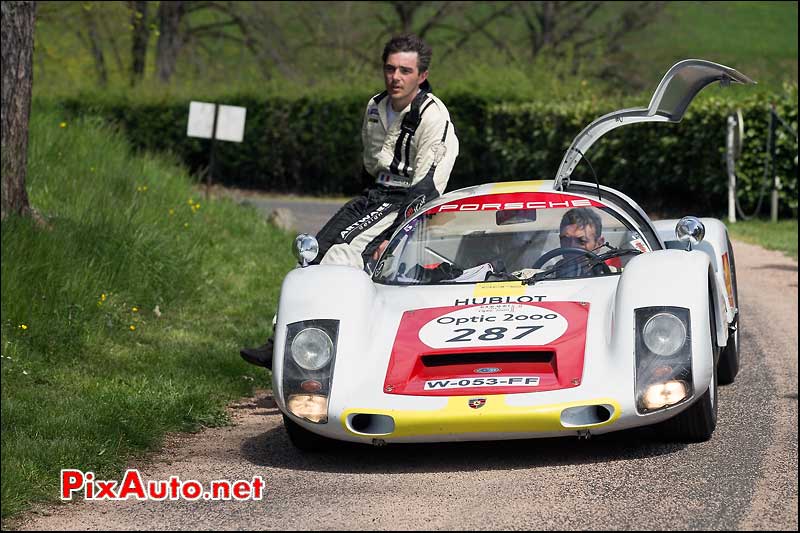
[
  {"x": 690, "y": 230},
  {"x": 305, "y": 249}
]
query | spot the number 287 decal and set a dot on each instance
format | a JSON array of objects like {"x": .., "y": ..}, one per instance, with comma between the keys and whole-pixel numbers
[
  {"x": 527, "y": 325},
  {"x": 491, "y": 334}
]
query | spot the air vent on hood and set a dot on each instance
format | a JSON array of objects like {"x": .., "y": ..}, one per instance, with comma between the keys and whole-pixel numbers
[{"x": 488, "y": 358}]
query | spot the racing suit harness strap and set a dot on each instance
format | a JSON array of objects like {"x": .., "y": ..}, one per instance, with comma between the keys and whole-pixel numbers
[
  {"x": 408, "y": 128},
  {"x": 423, "y": 191},
  {"x": 377, "y": 99}
]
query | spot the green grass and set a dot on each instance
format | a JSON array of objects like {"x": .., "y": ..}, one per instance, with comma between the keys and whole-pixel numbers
[
  {"x": 781, "y": 235},
  {"x": 122, "y": 319}
]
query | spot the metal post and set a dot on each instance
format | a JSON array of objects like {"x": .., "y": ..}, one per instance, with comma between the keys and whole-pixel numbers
[
  {"x": 731, "y": 168},
  {"x": 775, "y": 184},
  {"x": 211, "y": 158}
]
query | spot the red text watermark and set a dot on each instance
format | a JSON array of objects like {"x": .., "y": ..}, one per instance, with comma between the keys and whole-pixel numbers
[{"x": 132, "y": 486}]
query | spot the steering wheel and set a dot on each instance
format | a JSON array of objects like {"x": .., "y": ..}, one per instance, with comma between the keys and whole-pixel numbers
[{"x": 571, "y": 251}]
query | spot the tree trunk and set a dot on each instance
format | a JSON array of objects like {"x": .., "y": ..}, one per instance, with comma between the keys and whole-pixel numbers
[
  {"x": 141, "y": 34},
  {"x": 405, "y": 12},
  {"x": 17, "y": 54},
  {"x": 96, "y": 47},
  {"x": 170, "y": 38}
]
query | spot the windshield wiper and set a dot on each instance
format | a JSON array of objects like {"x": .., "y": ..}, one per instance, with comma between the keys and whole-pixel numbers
[
  {"x": 617, "y": 252},
  {"x": 501, "y": 276}
]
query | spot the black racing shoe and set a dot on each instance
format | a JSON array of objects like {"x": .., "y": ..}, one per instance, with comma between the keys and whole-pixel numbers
[{"x": 261, "y": 356}]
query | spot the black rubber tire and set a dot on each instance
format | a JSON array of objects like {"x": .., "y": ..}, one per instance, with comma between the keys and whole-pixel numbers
[
  {"x": 697, "y": 423},
  {"x": 305, "y": 440},
  {"x": 729, "y": 357}
]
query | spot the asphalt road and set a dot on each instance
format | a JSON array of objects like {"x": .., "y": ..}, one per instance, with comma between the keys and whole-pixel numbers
[
  {"x": 309, "y": 216},
  {"x": 744, "y": 478}
]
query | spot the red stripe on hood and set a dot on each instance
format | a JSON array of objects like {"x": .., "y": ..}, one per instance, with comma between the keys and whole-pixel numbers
[{"x": 557, "y": 360}]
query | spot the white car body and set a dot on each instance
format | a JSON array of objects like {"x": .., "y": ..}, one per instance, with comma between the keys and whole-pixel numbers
[{"x": 406, "y": 368}]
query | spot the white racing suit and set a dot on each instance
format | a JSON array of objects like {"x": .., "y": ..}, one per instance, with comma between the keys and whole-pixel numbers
[{"x": 410, "y": 161}]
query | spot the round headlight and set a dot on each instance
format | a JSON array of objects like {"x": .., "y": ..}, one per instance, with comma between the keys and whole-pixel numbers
[
  {"x": 664, "y": 334},
  {"x": 312, "y": 348}
]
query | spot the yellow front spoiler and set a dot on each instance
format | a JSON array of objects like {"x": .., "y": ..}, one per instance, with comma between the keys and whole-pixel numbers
[{"x": 495, "y": 416}]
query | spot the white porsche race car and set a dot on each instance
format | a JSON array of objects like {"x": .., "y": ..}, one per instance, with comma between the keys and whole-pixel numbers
[{"x": 488, "y": 318}]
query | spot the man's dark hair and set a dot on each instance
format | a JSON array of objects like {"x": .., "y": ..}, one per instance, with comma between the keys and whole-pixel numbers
[
  {"x": 581, "y": 216},
  {"x": 410, "y": 43}
]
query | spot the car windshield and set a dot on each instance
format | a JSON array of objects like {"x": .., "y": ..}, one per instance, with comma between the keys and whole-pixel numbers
[{"x": 488, "y": 239}]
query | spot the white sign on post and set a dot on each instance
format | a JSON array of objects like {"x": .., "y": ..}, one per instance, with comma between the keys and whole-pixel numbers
[
  {"x": 201, "y": 120},
  {"x": 230, "y": 123}
]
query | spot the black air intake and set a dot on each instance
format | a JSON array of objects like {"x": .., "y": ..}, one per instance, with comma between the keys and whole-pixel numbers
[{"x": 486, "y": 358}]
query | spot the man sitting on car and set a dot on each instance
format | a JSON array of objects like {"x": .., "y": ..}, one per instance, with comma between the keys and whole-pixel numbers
[{"x": 410, "y": 147}]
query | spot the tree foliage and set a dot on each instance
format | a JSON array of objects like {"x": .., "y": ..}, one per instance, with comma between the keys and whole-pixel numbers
[{"x": 306, "y": 40}]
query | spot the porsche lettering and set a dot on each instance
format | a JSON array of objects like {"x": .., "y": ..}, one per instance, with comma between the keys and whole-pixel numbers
[{"x": 514, "y": 205}]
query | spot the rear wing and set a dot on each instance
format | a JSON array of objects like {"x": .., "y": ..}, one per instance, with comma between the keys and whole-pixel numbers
[{"x": 673, "y": 95}]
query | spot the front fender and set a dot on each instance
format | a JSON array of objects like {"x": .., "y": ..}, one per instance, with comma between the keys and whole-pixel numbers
[
  {"x": 323, "y": 291},
  {"x": 669, "y": 278},
  {"x": 715, "y": 245},
  {"x": 318, "y": 292}
]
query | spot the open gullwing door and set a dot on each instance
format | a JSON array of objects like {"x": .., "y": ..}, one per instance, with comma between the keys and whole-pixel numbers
[{"x": 673, "y": 95}]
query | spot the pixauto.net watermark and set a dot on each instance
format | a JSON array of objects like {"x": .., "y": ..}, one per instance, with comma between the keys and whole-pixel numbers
[{"x": 132, "y": 486}]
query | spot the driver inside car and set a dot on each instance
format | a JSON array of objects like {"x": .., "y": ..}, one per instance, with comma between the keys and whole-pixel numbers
[
  {"x": 580, "y": 231},
  {"x": 580, "y": 228},
  {"x": 485, "y": 256}
]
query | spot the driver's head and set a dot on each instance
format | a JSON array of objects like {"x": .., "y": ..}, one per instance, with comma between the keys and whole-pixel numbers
[
  {"x": 406, "y": 59},
  {"x": 581, "y": 228}
]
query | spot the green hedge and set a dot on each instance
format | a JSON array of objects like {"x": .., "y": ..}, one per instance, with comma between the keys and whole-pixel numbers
[
  {"x": 313, "y": 145},
  {"x": 663, "y": 166}
]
